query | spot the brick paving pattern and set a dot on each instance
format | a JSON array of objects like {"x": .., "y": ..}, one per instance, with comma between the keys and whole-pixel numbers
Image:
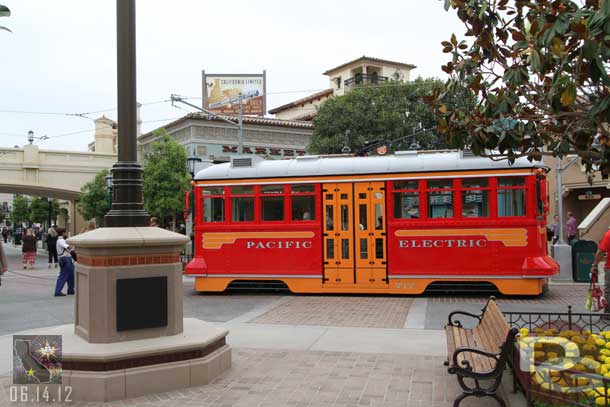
[
  {"x": 365, "y": 312},
  {"x": 261, "y": 378},
  {"x": 569, "y": 294}
]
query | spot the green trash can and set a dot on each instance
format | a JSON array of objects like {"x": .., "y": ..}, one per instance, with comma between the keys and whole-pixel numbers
[{"x": 583, "y": 254}]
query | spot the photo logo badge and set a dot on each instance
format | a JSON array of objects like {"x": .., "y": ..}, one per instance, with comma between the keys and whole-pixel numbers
[{"x": 36, "y": 359}]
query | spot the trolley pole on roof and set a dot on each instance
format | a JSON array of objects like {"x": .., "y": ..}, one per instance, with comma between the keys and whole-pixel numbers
[
  {"x": 240, "y": 118},
  {"x": 240, "y": 104}
]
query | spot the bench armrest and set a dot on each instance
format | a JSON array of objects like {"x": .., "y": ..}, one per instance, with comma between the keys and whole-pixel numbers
[
  {"x": 457, "y": 322},
  {"x": 466, "y": 368}
]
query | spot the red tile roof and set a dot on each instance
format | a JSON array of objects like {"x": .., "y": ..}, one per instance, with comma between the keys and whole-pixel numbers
[
  {"x": 310, "y": 98},
  {"x": 364, "y": 58}
]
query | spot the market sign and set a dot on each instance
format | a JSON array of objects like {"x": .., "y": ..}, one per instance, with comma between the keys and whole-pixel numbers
[
  {"x": 589, "y": 196},
  {"x": 221, "y": 92},
  {"x": 264, "y": 151}
]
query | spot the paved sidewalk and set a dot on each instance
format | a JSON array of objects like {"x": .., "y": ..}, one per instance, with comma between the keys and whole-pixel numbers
[
  {"x": 312, "y": 365},
  {"x": 272, "y": 378}
]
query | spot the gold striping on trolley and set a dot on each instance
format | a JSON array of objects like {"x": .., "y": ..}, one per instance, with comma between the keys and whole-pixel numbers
[
  {"x": 215, "y": 240},
  {"x": 510, "y": 237}
]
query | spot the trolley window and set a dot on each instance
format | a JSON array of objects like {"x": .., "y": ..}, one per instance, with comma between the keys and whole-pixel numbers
[
  {"x": 440, "y": 199},
  {"x": 540, "y": 198},
  {"x": 303, "y": 202},
  {"x": 272, "y": 202},
  {"x": 511, "y": 196},
  {"x": 213, "y": 204},
  {"x": 242, "y": 200},
  {"x": 406, "y": 199},
  {"x": 475, "y": 198}
]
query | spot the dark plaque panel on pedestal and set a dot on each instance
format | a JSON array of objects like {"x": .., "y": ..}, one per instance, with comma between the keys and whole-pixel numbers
[{"x": 141, "y": 303}]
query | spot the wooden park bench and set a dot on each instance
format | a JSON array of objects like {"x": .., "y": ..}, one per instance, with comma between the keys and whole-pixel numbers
[{"x": 479, "y": 353}]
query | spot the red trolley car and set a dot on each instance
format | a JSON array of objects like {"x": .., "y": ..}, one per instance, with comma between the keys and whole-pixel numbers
[{"x": 392, "y": 224}]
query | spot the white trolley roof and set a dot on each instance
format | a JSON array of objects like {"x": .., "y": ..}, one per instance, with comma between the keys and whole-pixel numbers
[{"x": 256, "y": 167}]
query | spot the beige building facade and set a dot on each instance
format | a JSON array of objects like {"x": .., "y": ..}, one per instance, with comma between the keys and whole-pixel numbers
[
  {"x": 343, "y": 78},
  {"x": 51, "y": 173},
  {"x": 106, "y": 136},
  {"x": 211, "y": 138}
]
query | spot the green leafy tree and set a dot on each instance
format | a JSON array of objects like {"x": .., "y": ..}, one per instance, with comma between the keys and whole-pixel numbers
[
  {"x": 40, "y": 211},
  {"x": 4, "y": 12},
  {"x": 539, "y": 70},
  {"x": 386, "y": 112},
  {"x": 95, "y": 199},
  {"x": 380, "y": 112},
  {"x": 21, "y": 210},
  {"x": 165, "y": 177}
]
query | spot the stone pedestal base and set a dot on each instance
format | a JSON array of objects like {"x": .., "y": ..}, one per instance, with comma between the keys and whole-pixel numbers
[{"x": 115, "y": 371}]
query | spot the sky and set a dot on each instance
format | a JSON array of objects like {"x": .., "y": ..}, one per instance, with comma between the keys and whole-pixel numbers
[{"x": 60, "y": 59}]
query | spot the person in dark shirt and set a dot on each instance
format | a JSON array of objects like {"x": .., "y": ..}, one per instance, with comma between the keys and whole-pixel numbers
[
  {"x": 52, "y": 246},
  {"x": 29, "y": 249}
]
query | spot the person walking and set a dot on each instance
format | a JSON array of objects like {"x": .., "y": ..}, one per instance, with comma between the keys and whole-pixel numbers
[
  {"x": 29, "y": 249},
  {"x": 3, "y": 262},
  {"x": 52, "y": 246},
  {"x": 554, "y": 228},
  {"x": 153, "y": 222},
  {"x": 5, "y": 234},
  {"x": 66, "y": 266},
  {"x": 571, "y": 227}
]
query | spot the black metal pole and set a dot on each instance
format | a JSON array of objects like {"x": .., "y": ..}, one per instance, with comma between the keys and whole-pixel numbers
[
  {"x": 50, "y": 201},
  {"x": 127, "y": 200}
]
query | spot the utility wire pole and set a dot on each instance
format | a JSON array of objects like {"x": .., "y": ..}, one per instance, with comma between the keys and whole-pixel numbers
[
  {"x": 562, "y": 251},
  {"x": 239, "y": 124}
]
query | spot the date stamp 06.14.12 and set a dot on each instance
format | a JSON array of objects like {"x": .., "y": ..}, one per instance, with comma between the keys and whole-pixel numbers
[{"x": 37, "y": 370}]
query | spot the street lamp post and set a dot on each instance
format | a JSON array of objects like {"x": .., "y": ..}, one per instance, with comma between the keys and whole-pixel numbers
[
  {"x": 127, "y": 198},
  {"x": 50, "y": 201},
  {"x": 108, "y": 180},
  {"x": 31, "y": 137}
]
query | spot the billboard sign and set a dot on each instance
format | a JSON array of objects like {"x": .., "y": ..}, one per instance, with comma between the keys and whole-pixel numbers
[{"x": 221, "y": 91}]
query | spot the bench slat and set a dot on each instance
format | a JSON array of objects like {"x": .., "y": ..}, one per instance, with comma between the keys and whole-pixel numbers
[
  {"x": 450, "y": 341},
  {"x": 482, "y": 343}
]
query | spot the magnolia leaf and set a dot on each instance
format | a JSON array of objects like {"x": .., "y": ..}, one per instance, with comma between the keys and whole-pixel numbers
[
  {"x": 534, "y": 59},
  {"x": 569, "y": 95},
  {"x": 518, "y": 36},
  {"x": 558, "y": 47},
  {"x": 5, "y": 29},
  {"x": 4, "y": 11},
  {"x": 604, "y": 7},
  {"x": 447, "y": 5},
  {"x": 483, "y": 9}
]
